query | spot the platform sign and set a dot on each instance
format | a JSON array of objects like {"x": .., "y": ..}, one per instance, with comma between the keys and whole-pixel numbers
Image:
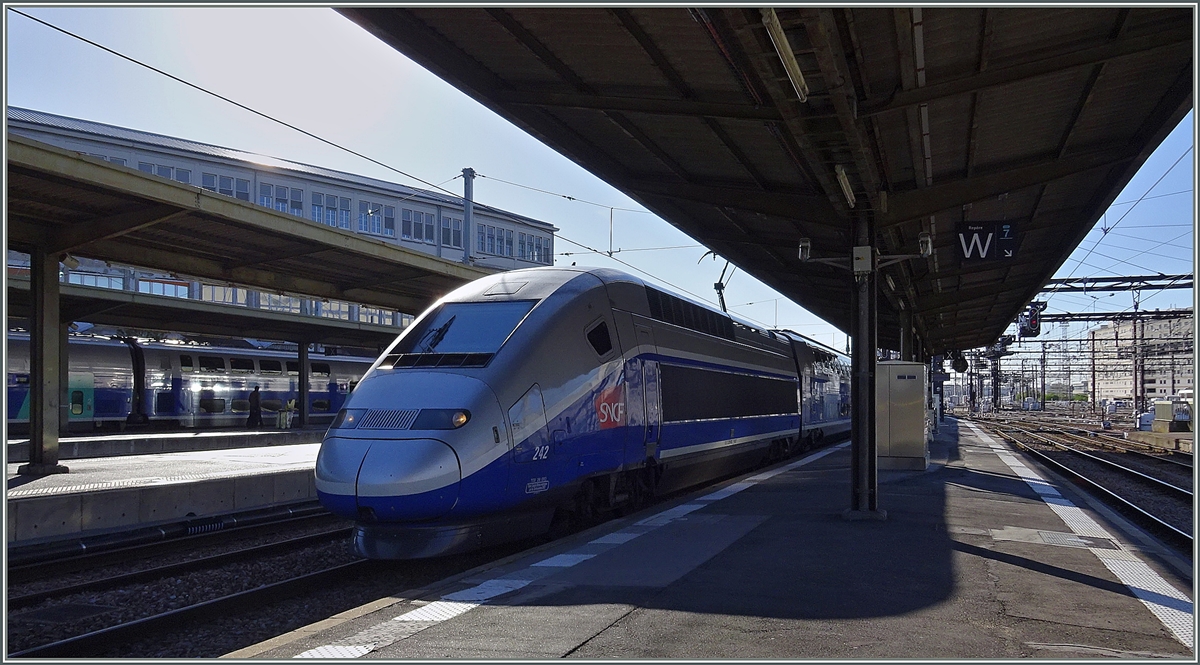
[{"x": 987, "y": 240}]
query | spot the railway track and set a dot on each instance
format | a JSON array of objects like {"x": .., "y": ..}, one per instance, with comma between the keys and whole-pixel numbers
[
  {"x": 1154, "y": 495},
  {"x": 32, "y": 598},
  {"x": 24, "y": 567},
  {"x": 98, "y": 641}
]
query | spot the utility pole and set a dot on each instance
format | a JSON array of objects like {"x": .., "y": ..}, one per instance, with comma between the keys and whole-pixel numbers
[
  {"x": 1043, "y": 376},
  {"x": 1092, "y": 335},
  {"x": 468, "y": 212}
]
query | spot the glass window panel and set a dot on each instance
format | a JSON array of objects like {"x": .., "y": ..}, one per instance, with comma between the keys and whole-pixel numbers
[
  {"x": 243, "y": 189},
  {"x": 318, "y": 213},
  {"x": 458, "y": 239},
  {"x": 146, "y": 166},
  {"x": 445, "y": 231},
  {"x": 297, "y": 194},
  {"x": 474, "y": 327},
  {"x": 209, "y": 181},
  {"x": 318, "y": 198},
  {"x": 117, "y": 160},
  {"x": 183, "y": 175},
  {"x": 164, "y": 171},
  {"x": 508, "y": 243},
  {"x": 226, "y": 187}
]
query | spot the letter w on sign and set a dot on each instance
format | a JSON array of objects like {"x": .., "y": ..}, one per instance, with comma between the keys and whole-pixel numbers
[
  {"x": 610, "y": 407},
  {"x": 987, "y": 240}
]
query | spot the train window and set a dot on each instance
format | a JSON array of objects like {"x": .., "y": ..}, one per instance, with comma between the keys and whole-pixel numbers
[
  {"x": 465, "y": 327},
  {"x": 600, "y": 340},
  {"x": 272, "y": 404},
  {"x": 76, "y": 402},
  {"x": 270, "y": 367},
  {"x": 241, "y": 365},
  {"x": 293, "y": 368},
  {"x": 164, "y": 402},
  {"x": 319, "y": 369},
  {"x": 210, "y": 405},
  {"x": 240, "y": 406},
  {"x": 320, "y": 405},
  {"x": 212, "y": 364},
  {"x": 185, "y": 364}
]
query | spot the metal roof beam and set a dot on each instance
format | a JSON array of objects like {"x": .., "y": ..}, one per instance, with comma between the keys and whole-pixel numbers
[
  {"x": 810, "y": 208},
  {"x": 910, "y": 205},
  {"x": 1117, "y": 48},
  {"x": 262, "y": 279},
  {"x": 681, "y": 107},
  {"x": 104, "y": 228}
]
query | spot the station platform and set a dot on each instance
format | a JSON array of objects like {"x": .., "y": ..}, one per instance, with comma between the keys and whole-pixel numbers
[
  {"x": 982, "y": 555},
  {"x": 147, "y": 443},
  {"x": 102, "y": 495}
]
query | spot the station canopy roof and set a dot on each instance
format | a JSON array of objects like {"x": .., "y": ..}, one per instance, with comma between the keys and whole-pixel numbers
[
  {"x": 63, "y": 202},
  {"x": 1027, "y": 116}
]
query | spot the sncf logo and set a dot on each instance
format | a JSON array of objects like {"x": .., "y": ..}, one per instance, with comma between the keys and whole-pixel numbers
[{"x": 610, "y": 407}]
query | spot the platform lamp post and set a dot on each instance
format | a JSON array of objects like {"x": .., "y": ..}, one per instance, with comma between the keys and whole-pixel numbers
[{"x": 864, "y": 264}]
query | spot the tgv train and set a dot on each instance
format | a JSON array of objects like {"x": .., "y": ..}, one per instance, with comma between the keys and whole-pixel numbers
[
  {"x": 562, "y": 391},
  {"x": 177, "y": 385}
]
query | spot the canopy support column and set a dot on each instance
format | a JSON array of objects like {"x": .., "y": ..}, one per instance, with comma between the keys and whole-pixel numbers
[{"x": 45, "y": 362}]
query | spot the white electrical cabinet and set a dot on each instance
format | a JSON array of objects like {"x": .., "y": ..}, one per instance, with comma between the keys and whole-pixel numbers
[{"x": 901, "y": 429}]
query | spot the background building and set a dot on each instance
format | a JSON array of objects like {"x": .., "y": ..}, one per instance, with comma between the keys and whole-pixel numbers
[
  {"x": 1158, "y": 353},
  {"x": 416, "y": 219}
]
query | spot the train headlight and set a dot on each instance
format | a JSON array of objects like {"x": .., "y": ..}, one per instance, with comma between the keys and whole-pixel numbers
[
  {"x": 348, "y": 418},
  {"x": 441, "y": 419}
]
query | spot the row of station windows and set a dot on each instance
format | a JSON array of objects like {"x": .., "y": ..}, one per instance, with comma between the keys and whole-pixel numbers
[
  {"x": 504, "y": 242},
  {"x": 373, "y": 217}
]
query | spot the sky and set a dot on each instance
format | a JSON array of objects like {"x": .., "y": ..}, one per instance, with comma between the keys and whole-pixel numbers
[{"x": 314, "y": 69}]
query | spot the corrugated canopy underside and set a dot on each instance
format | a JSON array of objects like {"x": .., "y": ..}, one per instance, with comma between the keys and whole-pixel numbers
[{"x": 1031, "y": 116}]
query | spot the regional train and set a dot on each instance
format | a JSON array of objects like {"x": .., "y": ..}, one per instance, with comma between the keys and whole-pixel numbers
[
  {"x": 535, "y": 394},
  {"x": 113, "y": 382}
]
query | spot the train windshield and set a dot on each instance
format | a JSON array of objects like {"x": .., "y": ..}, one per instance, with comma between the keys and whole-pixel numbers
[{"x": 466, "y": 327}]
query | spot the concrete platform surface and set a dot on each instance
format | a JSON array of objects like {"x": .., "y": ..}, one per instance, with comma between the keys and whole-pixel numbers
[
  {"x": 104, "y": 494},
  {"x": 980, "y": 557},
  {"x": 148, "y": 443}
]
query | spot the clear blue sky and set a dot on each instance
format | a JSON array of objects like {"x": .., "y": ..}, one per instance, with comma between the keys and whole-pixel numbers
[{"x": 316, "y": 70}]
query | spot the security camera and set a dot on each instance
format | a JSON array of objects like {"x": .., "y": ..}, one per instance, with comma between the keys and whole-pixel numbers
[{"x": 926, "y": 244}]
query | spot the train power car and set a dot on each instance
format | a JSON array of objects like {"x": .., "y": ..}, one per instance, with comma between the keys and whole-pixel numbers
[
  {"x": 562, "y": 390},
  {"x": 115, "y": 382}
]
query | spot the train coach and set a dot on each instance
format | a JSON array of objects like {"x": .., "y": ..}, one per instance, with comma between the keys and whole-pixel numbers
[
  {"x": 113, "y": 382},
  {"x": 551, "y": 392}
]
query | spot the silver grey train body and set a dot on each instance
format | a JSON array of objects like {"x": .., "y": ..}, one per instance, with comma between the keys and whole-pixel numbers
[{"x": 562, "y": 390}]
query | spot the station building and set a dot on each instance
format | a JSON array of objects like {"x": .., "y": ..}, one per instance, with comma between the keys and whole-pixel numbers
[
  {"x": 1162, "y": 350},
  {"x": 416, "y": 219}
]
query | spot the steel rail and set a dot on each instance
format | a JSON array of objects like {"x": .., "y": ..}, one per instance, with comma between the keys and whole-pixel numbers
[
  {"x": 1113, "y": 443},
  {"x": 1092, "y": 484},
  {"x": 97, "y": 641},
  {"x": 1156, "y": 482},
  {"x": 17, "y": 602},
  {"x": 77, "y": 560}
]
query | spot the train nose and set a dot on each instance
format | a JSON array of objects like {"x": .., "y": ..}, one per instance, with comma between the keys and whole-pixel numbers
[{"x": 391, "y": 480}]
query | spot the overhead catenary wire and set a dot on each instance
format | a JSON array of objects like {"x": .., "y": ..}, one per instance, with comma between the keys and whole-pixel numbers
[
  {"x": 358, "y": 154},
  {"x": 231, "y": 101}
]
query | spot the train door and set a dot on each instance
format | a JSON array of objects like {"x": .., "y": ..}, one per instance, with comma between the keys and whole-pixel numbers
[
  {"x": 81, "y": 401},
  {"x": 653, "y": 396},
  {"x": 533, "y": 454},
  {"x": 646, "y": 445}
]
